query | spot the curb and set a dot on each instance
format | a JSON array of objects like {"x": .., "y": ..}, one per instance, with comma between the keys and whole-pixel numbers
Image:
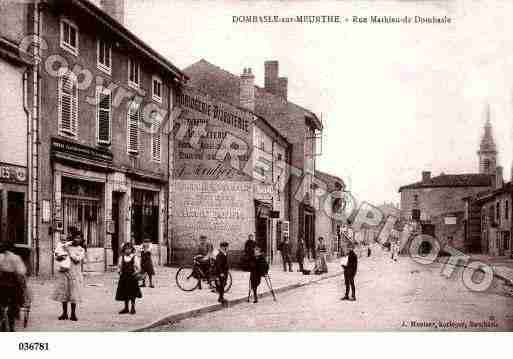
[{"x": 176, "y": 317}]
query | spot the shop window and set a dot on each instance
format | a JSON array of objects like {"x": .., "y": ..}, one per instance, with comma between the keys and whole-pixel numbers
[
  {"x": 16, "y": 217},
  {"x": 145, "y": 216},
  {"x": 506, "y": 239}
]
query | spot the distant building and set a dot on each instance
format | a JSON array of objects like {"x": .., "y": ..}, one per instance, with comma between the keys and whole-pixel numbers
[{"x": 440, "y": 203}]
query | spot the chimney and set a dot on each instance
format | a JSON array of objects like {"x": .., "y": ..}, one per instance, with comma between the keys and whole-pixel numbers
[
  {"x": 271, "y": 76},
  {"x": 282, "y": 87},
  {"x": 426, "y": 176},
  {"x": 499, "y": 179},
  {"x": 247, "y": 89},
  {"x": 115, "y": 8}
]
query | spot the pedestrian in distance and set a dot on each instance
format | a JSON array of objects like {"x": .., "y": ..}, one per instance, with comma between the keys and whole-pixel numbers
[
  {"x": 147, "y": 269},
  {"x": 300, "y": 253},
  {"x": 249, "y": 252},
  {"x": 258, "y": 269},
  {"x": 12, "y": 283},
  {"x": 350, "y": 267},
  {"x": 320, "y": 263},
  {"x": 285, "y": 254},
  {"x": 368, "y": 251},
  {"x": 221, "y": 270},
  {"x": 69, "y": 254},
  {"x": 128, "y": 285}
]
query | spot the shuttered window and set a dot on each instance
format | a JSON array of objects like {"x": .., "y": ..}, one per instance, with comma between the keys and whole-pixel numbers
[
  {"x": 68, "y": 104},
  {"x": 104, "y": 115},
  {"x": 156, "y": 136},
  {"x": 134, "y": 114}
]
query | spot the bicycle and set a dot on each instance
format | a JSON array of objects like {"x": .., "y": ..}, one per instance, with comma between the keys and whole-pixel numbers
[{"x": 189, "y": 278}]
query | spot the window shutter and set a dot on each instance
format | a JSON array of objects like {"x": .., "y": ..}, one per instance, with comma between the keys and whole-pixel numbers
[
  {"x": 68, "y": 104},
  {"x": 104, "y": 116},
  {"x": 133, "y": 128},
  {"x": 156, "y": 139}
]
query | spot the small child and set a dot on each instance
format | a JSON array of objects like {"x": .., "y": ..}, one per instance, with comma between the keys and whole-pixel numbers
[{"x": 147, "y": 262}]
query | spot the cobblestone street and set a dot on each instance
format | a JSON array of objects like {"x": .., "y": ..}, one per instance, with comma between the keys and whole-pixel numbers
[{"x": 391, "y": 295}]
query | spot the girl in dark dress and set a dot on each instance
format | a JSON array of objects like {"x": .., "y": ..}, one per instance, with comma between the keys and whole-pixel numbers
[
  {"x": 128, "y": 285},
  {"x": 147, "y": 263}
]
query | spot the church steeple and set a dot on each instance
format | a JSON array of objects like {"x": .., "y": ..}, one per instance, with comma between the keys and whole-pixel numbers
[{"x": 487, "y": 150}]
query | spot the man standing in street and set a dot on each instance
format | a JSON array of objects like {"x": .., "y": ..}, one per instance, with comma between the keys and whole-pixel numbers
[
  {"x": 350, "y": 272},
  {"x": 285, "y": 254},
  {"x": 300, "y": 253},
  {"x": 221, "y": 266},
  {"x": 249, "y": 252}
]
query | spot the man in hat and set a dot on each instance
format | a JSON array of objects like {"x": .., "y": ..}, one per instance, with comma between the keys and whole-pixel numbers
[
  {"x": 221, "y": 267},
  {"x": 12, "y": 282},
  {"x": 350, "y": 272}
]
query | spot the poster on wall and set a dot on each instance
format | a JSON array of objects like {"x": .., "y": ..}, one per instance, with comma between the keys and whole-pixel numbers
[{"x": 213, "y": 139}]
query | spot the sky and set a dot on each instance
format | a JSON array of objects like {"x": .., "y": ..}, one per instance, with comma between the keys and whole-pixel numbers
[{"x": 395, "y": 99}]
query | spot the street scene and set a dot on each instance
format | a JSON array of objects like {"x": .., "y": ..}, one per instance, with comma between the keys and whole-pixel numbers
[{"x": 165, "y": 171}]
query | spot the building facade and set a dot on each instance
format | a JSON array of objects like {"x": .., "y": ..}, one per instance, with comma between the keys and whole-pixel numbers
[
  {"x": 228, "y": 168},
  {"x": 14, "y": 154},
  {"x": 298, "y": 125},
  {"x": 102, "y": 103}
]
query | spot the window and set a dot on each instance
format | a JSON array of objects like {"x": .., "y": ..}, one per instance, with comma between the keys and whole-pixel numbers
[
  {"x": 133, "y": 73},
  {"x": 134, "y": 114},
  {"x": 104, "y": 56},
  {"x": 157, "y": 89},
  {"x": 155, "y": 136},
  {"x": 506, "y": 210},
  {"x": 498, "y": 212},
  {"x": 69, "y": 37},
  {"x": 68, "y": 104},
  {"x": 103, "y": 115}
]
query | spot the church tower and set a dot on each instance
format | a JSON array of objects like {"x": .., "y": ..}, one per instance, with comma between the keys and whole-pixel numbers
[{"x": 487, "y": 150}]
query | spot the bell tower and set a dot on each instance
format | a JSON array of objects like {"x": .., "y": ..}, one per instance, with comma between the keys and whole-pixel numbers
[{"x": 487, "y": 150}]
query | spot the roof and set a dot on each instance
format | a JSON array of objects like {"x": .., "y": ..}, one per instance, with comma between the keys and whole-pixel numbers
[
  {"x": 454, "y": 180},
  {"x": 330, "y": 180},
  {"x": 491, "y": 194},
  {"x": 127, "y": 35},
  {"x": 214, "y": 79}
]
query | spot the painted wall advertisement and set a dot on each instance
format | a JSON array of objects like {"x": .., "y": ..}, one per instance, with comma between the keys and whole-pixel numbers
[{"x": 213, "y": 140}]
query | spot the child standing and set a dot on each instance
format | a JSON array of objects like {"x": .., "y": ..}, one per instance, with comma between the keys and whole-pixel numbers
[
  {"x": 147, "y": 263},
  {"x": 128, "y": 286}
]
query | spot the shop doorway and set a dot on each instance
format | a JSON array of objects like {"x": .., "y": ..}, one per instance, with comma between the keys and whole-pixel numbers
[
  {"x": 116, "y": 198},
  {"x": 145, "y": 216},
  {"x": 261, "y": 233},
  {"x": 262, "y": 227}
]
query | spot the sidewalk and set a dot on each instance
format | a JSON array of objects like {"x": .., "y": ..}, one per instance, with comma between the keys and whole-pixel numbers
[{"x": 166, "y": 302}]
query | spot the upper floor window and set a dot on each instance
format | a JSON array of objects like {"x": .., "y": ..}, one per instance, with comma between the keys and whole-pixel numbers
[
  {"x": 498, "y": 212},
  {"x": 133, "y": 119},
  {"x": 506, "y": 210},
  {"x": 104, "y": 115},
  {"x": 134, "y": 75},
  {"x": 68, "y": 104},
  {"x": 156, "y": 89},
  {"x": 69, "y": 36},
  {"x": 104, "y": 56},
  {"x": 156, "y": 136}
]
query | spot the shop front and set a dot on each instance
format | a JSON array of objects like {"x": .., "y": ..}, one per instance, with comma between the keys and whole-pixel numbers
[{"x": 13, "y": 209}]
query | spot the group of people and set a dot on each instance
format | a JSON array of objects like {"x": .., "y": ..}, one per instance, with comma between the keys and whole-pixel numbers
[
  {"x": 319, "y": 253},
  {"x": 70, "y": 254}
]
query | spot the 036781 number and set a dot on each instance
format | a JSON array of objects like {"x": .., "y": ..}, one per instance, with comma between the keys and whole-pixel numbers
[{"x": 24, "y": 346}]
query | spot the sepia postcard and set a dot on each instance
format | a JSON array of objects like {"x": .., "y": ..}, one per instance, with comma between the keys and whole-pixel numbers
[{"x": 255, "y": 166}]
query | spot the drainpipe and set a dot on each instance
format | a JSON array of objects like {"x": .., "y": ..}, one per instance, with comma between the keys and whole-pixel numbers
[
  {"x": 29, "y": 162},
  {"x": 169, "y": 171},
  {"x": 35, "y": 132}
]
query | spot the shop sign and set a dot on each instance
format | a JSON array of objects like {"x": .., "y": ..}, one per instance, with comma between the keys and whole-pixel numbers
[
  {"x": 13, "y": 174},
  {"x": 66, "y": 147}
]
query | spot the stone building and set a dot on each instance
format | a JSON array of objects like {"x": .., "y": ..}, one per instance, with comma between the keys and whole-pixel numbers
[
  {"x": 228, "y": 179},
  {"x": 101, "y": 104},
  {"x": 440, "y": 203},
  {"x": 15, "y": 195},
  {"x": 298, "y": 125}
]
